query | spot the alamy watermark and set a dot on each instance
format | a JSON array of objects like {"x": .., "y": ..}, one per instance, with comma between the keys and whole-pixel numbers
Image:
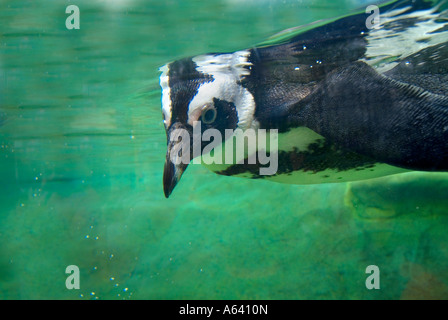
[
  {"x": 73, "y": 20},
  {"x": 234, "y": 146},
  {"x": 72, "y": 281},
  {"x": 373, "y": 21},
  {"x": 373, "y": 280}
]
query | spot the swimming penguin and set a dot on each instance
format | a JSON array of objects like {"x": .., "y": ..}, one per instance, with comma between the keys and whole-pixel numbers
[{"x": 348, "y": 100}]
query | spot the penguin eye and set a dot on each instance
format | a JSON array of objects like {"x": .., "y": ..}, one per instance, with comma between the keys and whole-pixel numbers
[{"x": 209, "y": 114}]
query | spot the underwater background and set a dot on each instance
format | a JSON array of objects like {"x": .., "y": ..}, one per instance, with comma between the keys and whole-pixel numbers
[{"x": 82, "y": 149}]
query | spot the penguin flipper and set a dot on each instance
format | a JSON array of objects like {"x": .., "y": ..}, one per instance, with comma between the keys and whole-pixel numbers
[{"x": 394, "y": 122}]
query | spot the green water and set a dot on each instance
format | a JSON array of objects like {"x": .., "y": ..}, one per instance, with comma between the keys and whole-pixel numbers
[{"x": 82, "y": 148}]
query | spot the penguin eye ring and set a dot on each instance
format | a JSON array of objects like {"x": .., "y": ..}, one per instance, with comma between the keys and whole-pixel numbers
[{"x": 209, "y": 114}]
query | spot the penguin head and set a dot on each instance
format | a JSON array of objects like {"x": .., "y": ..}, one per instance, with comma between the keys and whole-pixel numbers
[{"x": 203, "y": 91}]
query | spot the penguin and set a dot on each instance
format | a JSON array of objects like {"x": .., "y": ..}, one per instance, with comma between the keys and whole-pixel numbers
[{"x": 348, "y": 101}]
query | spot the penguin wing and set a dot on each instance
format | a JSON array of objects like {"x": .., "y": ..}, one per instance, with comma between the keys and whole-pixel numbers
[{"x": 391, "y": 121}]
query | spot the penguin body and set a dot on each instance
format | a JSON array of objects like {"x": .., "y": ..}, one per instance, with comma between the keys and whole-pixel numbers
[{"x": 349, "y": 102}]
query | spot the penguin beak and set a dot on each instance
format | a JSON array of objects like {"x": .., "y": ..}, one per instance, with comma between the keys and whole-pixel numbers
[{"x": 174, "y": 167}]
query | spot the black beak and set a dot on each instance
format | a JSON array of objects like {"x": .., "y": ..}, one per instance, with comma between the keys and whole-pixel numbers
[
  {"x": 174, "y": 167},
  {"x": 171, "y": 175}
]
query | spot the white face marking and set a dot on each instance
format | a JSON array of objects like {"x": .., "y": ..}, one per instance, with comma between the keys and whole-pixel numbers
[
  {"x": 166, "y": 100},
  {"x": 385, "y": 43},
  {"x": 226, "y": 70}
]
